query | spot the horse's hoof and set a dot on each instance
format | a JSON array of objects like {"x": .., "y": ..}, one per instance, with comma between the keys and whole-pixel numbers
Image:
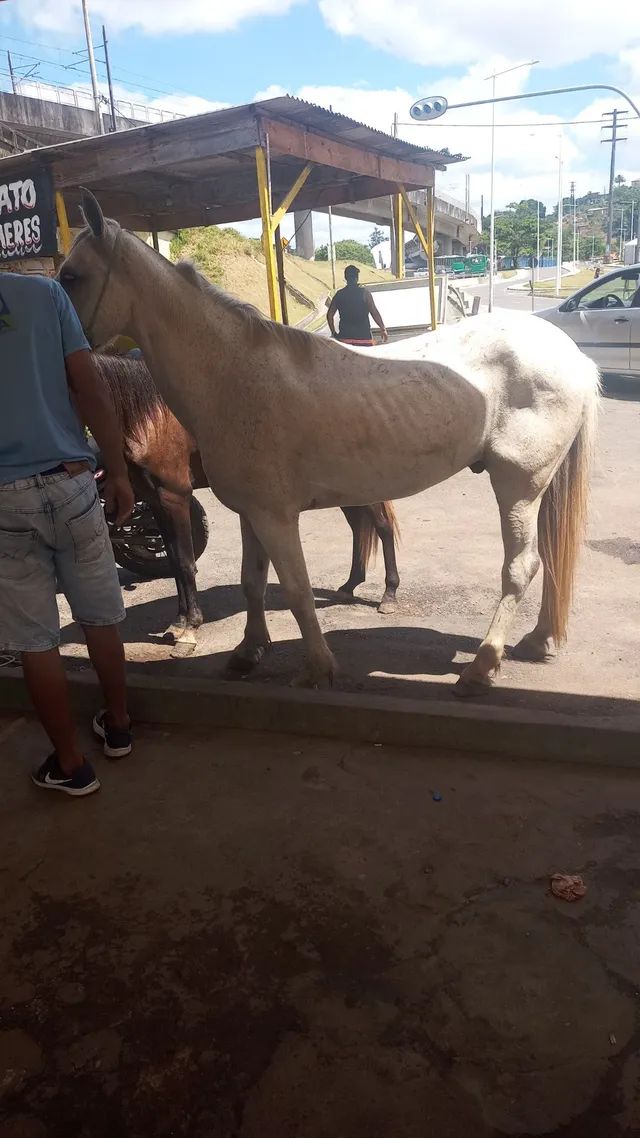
[
  {"x": 386, "y": 607},
  {"x": 174, "y": 633},
  {"x": 533, "y": 651},
  {"x": 471, "y": 689},
  {"x": 313, "y": 678},
  {"x": 240, "y": 664},
  {"x": 345, "y": 591}
]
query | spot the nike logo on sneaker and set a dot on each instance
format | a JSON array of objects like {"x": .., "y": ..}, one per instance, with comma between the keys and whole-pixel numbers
[{"x": 55, "y": 781}]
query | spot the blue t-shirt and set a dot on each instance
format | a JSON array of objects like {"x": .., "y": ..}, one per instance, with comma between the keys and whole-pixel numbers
[{"x": 39, "y": 328}]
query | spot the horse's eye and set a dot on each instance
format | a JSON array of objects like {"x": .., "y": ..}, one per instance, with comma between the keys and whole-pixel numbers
[{"x": 67, "y": 276}]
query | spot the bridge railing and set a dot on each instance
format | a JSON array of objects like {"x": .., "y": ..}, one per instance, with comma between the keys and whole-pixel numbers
[{"x": 82, "y": 98}]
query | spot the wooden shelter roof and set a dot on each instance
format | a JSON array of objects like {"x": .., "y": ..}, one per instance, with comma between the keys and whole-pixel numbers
[{"x": 202, "y": 171}]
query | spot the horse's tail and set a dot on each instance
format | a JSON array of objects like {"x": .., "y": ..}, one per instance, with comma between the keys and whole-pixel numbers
[
  {"x": 381, "y": 512},
  {"x": 563, "y": 517}
]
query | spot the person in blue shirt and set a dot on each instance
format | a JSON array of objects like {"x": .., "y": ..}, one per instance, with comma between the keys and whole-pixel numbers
[{"x": 53, "y": 533}]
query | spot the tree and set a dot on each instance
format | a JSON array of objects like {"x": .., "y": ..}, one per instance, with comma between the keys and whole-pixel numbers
[
  {"x": 620, "y": 180},
  {"x": 376, "y": 238},
  {"x": 516, "y": 229},
  {"x": 348, "y": 250}
]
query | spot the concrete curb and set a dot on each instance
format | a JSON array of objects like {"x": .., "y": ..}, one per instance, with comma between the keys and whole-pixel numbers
[{"x": 512, "y": 733}]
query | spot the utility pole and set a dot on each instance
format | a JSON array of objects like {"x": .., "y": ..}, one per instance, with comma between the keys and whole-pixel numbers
[
  {"x": 560, "y": 205},
  {"x": 13, "y": 78},
  {"x": 467, "y": 193},
  {"x": 114, "y": 125},
  {"x": 92, "y": 67},
  {"x": 618, "y": 118},
  {"x": 573, "y": 210}
]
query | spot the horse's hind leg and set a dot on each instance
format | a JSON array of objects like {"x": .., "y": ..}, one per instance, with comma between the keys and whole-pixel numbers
[
  {"x": 519, "y": 519},
  {"x": 364, "y": 521},
  {"x": 538, "y": 646},
  {"x": 255, "y": 569},
  {"x": 385, "y": 531},
  {"x": 357, "y": 574}
]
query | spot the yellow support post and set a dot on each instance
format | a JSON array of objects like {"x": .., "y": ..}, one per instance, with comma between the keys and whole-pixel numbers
[
  {"x": 427, "y": 245},
  {"x": 399, "y": 228},
  {"x": 414, "y": 218},
  {"x": 289, "y": 198},
  {"x": 63, "y": 223},
  {"x": 431, "y": 256},
  {"x": 268, "y": 234}
]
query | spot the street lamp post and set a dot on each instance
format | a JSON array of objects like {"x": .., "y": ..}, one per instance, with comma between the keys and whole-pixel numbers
[
  {"x": 492, "y": 221},
  {"x": 560, "y": 209}
]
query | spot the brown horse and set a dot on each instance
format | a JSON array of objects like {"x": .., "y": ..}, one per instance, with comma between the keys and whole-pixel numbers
[{"x": 165, "y": 468}]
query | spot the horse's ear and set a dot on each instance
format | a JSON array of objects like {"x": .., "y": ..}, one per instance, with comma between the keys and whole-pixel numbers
[{"x": 92, "y": 213}]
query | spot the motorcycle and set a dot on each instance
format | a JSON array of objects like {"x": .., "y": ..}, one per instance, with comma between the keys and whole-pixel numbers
[{"x": 139, "y": 545}]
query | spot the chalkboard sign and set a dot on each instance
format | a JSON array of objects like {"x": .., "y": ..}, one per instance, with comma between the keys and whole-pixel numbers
[{"x": 27, "y": 217}]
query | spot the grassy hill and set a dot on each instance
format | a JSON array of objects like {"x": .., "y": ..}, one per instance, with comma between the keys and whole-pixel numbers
[{"x": 237, "y": 264}]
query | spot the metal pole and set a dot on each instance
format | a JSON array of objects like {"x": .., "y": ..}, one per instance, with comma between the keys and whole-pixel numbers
[
  {"x": 13, "y": 78},
  {"x": 492, "y": 222},
  {"x": 92, "y": 67},
  {"x": 559, "y": 251},
  {"x": 110, "y": 84},
  {"x": 612, "y": 174},
  {"x": 282, "y": 284},
  {"x": 538, "y": 243},
  {"x": 332, "y": 255}
]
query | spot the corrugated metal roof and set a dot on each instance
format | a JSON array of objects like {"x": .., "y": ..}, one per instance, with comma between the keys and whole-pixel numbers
[
  {"x": 313, "y": 116},
  {"x": 285, "y": 107}
]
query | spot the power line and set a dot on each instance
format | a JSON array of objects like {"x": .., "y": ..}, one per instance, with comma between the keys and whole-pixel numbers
[{"x": 512, "y": 125}]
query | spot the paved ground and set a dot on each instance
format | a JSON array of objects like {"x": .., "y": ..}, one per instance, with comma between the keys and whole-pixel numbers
[
  {"x": 449, "y": 564},
  {"x": 250, "y": 936}
]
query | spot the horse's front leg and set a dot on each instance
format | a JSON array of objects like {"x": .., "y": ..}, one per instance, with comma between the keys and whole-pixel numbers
[
  {"x": 176, "y": 508},
  {"x": 255, "y": 569},
  {"x": 281, "y": 539}
]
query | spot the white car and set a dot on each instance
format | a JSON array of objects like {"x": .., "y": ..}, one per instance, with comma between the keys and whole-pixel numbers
[{"x": 604, "y": 320}]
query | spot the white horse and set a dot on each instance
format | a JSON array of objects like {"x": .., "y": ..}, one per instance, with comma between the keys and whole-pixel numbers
[{"x": 286, "y": 421}]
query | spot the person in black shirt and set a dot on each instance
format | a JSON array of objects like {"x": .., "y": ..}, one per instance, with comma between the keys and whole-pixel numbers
[{"x": 354, "y": 305}]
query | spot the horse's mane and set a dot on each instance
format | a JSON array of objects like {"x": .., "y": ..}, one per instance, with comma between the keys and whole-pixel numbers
[
  {"x": 261, "y": 329},
  {"x": 136, "y": 398}
]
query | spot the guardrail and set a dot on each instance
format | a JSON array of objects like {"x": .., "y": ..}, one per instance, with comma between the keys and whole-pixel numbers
[{"x": 82, "y": 98}]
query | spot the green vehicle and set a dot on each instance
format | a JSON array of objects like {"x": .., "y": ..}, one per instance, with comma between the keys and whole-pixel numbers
[{"x": 471, "y": 265}]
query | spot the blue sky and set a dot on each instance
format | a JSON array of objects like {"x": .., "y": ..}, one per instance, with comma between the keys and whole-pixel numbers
[{"x": 369, "y": 59}]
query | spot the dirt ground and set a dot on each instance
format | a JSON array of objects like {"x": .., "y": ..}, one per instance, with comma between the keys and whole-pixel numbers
[
  {"x": 449, "y": 562},
  {"x": 252, "y": 936}
]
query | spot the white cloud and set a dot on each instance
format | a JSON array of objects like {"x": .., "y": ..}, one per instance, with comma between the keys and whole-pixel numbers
[
  {"x": 461, "y": 32},
  {"x": 527, "y": 136},
  {"x": 151, "y": 16}
]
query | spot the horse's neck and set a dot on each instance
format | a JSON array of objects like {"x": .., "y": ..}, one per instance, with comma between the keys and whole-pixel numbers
[{"x": 168, "y": 313}]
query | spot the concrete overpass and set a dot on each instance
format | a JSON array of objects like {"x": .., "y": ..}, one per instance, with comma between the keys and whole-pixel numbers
[{"x": 456, "y": 228}]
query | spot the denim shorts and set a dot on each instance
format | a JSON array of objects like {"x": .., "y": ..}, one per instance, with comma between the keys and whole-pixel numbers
[{"x": 53, "y": 536}]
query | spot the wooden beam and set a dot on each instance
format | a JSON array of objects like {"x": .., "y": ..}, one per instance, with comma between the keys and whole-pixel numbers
[
  {"x": 288, "y": 138},
  {"x": 136, "y": 151},
  {"x": 289, "y": 198}
]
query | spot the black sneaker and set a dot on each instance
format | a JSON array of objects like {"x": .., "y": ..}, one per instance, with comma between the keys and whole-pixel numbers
[
  {"x": 50, "y": 776},
  {"x": 117, "y": 740}
]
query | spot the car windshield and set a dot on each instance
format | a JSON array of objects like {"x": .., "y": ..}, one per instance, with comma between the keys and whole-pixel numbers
[{"x": 622, "y": 291}]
